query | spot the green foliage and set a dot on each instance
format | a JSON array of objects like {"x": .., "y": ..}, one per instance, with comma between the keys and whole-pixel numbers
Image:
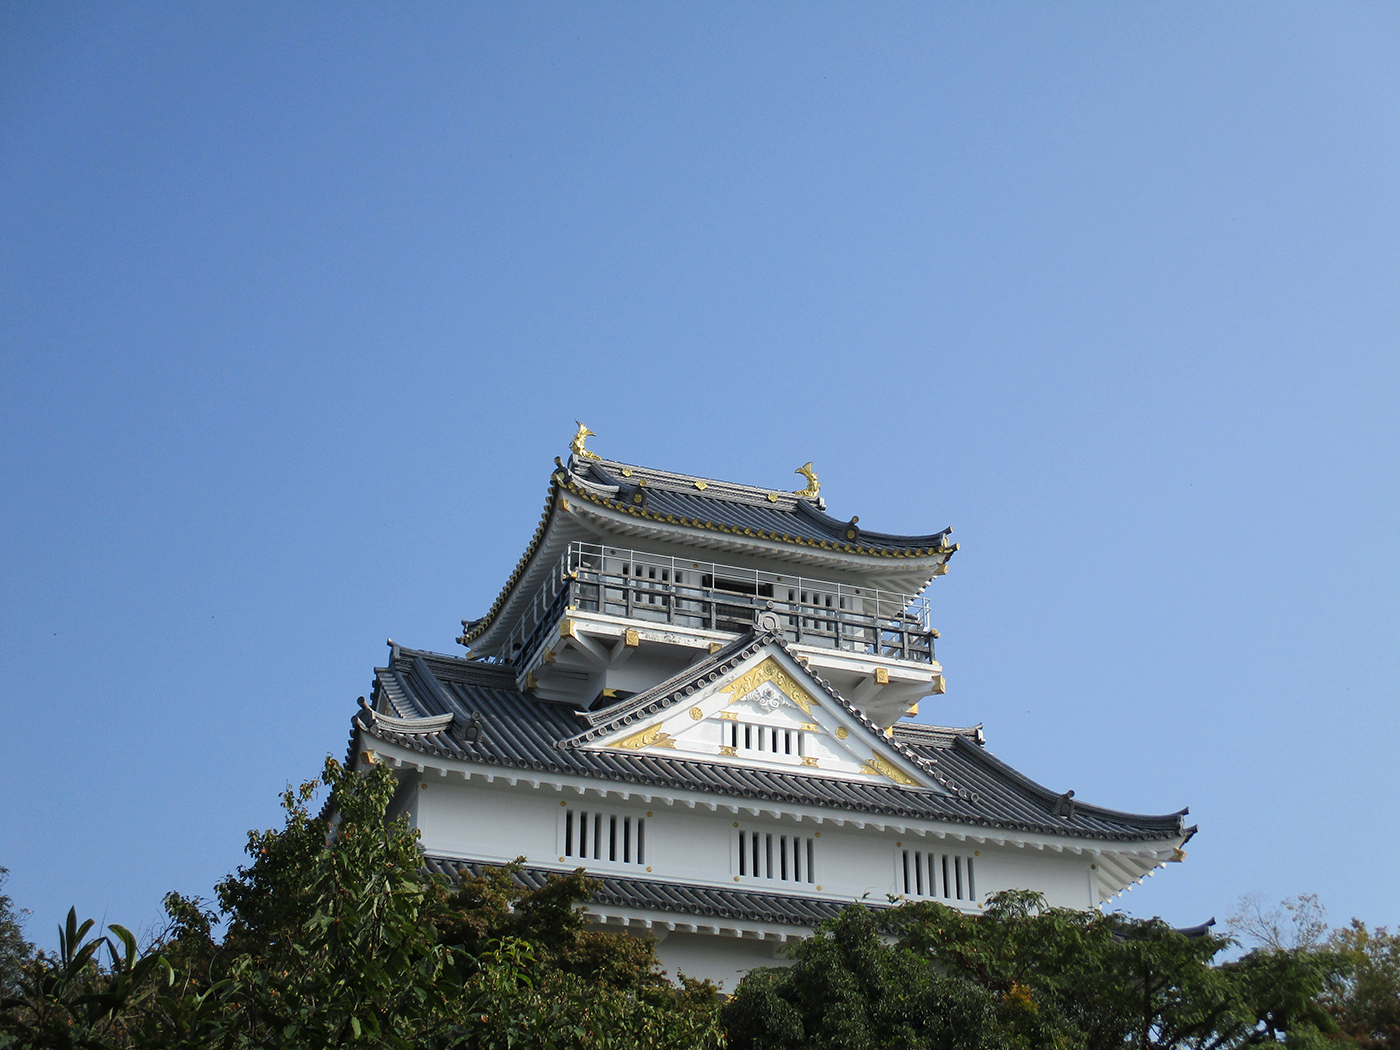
[
  {"x": 335, "y": 937},
  {"x": 15, "y": 951},
  {"x": 1021, "y": 975},
  {"x": 1366, "y": 1005},
  {"x": 847, "y": 990},
  {"x": 69, "y": 999}
]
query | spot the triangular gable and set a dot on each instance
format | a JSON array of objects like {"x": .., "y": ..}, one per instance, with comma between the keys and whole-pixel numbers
[{"x": 755, "y": 705}]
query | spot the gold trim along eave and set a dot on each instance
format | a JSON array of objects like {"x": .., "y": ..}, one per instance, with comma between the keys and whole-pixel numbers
[
  {"x": 877, "y": 766},
  {"x": 651, "y": 736}
]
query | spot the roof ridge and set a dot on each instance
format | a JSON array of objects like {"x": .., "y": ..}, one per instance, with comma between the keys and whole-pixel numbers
[
  {"x": 917, "y": 731},
  {"x": 714, "y": 488}
]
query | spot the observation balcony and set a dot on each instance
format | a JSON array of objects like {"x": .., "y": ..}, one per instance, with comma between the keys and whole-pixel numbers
[{"x": 711, "y": 597}]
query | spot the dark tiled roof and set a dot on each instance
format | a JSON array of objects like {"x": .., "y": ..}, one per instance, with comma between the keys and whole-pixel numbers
[
  {"x": 673, "y": 897},
  {"x": 738, "y": 507},
  {"x": 520, "y": 733}
]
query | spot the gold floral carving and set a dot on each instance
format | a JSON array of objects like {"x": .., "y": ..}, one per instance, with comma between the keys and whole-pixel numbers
[
  {"x": 842, "y": 732},
  {"x": 651, "y": 736},
  {"x": 770, "y": 671},
  {"x": 877, "y": 766},
  {"x": 696, "y": 713}
]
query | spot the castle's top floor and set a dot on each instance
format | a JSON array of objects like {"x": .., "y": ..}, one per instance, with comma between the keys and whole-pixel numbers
[{"x": 628, "y": 557}]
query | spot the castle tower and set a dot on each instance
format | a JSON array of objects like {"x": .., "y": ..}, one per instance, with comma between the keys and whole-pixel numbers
[{"x": 693, "y": 689}]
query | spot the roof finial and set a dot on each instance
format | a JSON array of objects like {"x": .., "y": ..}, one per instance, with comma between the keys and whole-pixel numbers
[
  {"x": 813, "y": 485},
  {"x": 576, "y": 445}
]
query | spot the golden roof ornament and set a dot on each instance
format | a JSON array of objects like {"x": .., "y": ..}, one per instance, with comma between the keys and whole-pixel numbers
[
  {"x": 576, "y": 445},
  {"x": 813, "y": 485}
]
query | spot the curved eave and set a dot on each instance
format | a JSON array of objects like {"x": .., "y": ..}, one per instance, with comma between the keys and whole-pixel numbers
[
  {"x": 1170, "y": 822},
  {"x": 539, "y": 557},
  {"x": 442, "y": 747},
  {"x": 907, "y": 569}
]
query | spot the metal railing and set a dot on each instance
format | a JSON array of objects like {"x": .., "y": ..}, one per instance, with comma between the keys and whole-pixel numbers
[{"x": 654, "y": 588}]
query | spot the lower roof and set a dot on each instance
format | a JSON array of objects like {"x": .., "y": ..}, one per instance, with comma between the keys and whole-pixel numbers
[
  {"x": 669, "y": 897},
  {"x": 473, "y": 713},
  {"x": 673, "y": 898}
]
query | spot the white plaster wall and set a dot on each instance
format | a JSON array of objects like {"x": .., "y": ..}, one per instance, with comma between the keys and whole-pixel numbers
[
  {"x": 1063, "y": 878},
  {"x": 481, "y": 822},
  {"x": 723, "y": 960},
  {"x": 499, "y": 823}
]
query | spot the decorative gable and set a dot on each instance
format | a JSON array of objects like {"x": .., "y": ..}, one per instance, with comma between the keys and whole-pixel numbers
[{"x": 764, "y": 710}]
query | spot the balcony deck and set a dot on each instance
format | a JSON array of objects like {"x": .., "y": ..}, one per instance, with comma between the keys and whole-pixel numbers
[{"x": 704, "y": 595}]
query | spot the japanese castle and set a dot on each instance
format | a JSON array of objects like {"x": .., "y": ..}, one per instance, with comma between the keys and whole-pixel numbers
[{"x": 698, "y": 691}]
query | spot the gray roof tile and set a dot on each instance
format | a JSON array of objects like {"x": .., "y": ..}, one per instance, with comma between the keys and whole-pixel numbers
[
  {"x": 703, "y": 902},
  {"x": 519, "y": 732}
]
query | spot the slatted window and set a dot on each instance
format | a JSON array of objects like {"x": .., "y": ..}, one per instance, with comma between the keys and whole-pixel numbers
[
  {"x": 948, "y": 876},
  {"x": 771, "y": 740},
  {"x": 595, "y": 834},
  {"x": 776, "y": 856},
  {"x": 653, "y": 583}
]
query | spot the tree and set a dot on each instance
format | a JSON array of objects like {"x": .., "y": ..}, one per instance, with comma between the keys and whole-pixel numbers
[
  {"x": 1295, "y": 924},
  {"x": 1367, "y": 1005},
  {"x": 847, "y": 990},
  {"x": 15, "y": 951},
  {"x": 336, "y": 937}
]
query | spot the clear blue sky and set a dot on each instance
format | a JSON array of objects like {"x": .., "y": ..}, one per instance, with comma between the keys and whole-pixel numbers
[{"x": 299, "y": 302}]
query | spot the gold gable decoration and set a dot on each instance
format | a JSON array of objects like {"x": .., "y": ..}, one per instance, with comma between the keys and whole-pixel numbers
[
  {"x": 877, "y": 766},
  {"x": 651, "y": 736},
  {"x": 770, "y": 671}
]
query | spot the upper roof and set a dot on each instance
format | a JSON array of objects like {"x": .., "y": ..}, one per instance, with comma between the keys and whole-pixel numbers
[
  {"x": 471, "y": 712},
  {"x": 778, "y": 515},
  {"x": 609, "y": 501}
]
